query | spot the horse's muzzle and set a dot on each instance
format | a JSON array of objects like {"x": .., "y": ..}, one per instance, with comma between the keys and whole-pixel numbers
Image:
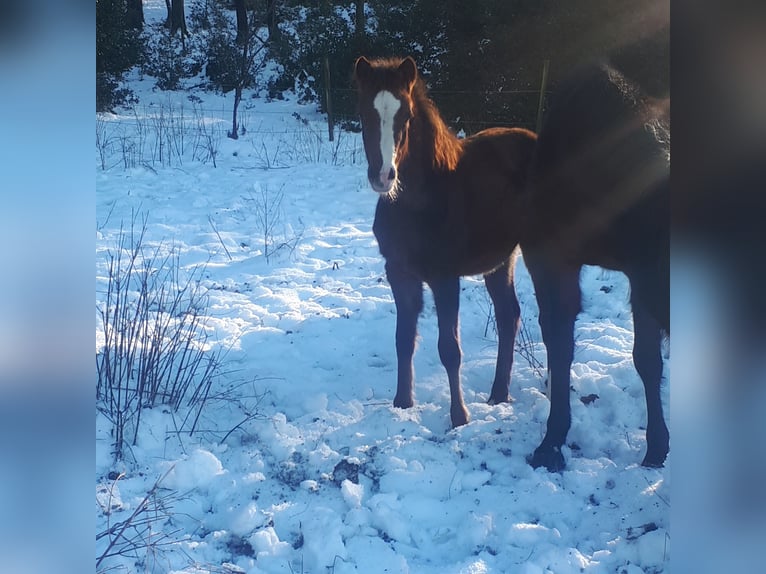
[{"x": 385, "y": 181}]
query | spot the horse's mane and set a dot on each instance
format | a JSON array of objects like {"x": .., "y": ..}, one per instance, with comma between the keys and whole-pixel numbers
[
  {"x": 446, "y": 146},
  {"x": 653, "y": 112}
]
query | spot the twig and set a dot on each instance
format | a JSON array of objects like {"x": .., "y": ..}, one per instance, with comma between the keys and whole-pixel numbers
[
  {"x": 525, "y": 349},
  {"x": 108, "y": 216},
  {"x": 124, "y": 525},
  {"x": 657, "y": 494},
  {"x": 210, "y": 219},
  {"x": 334, "y": 560},
  {"x": 235, "y": 427}
]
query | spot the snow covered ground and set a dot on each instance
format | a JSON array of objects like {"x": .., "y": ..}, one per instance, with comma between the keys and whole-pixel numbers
[
  {"x": 306, "y": 466},
  {"x": 300, "y": 463}
]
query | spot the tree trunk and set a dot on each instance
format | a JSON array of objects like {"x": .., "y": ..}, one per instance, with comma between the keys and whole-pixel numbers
[
  {"x": 234, "y": 133},
  {"x": 242, "y": 28},
  {"x": 170, "y": 12},
  {"x": 238, "y": 89},
  {"x": 361, "y": 23},
  {"x": 178, "y": 18},
  {"x": 328, "y": 96},
  {"x": 271, "y": 20},
  {"x": 134, "y": 14}
]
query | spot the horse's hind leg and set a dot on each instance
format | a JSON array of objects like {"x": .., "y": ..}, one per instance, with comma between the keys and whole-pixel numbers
[
  {"x": 503, "y": 293},
  {"x": 408, "y": 296},
  {"x": 558, "y": 296},
  {"x": 447, "y": 299},
  {"x": 647, "y": 357}
]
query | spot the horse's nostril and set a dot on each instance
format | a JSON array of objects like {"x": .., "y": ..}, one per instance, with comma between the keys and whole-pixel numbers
[{"x": 386, "y": 177}]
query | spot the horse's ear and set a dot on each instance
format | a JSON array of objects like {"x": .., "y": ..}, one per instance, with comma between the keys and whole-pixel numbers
[
  {"x": 362, "y": 68},
  {"x": 408, "y": 72}
]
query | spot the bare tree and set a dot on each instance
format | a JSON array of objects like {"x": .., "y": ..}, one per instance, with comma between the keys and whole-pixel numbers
[
  {"x": 360, "y": 20},
  {"x": 178, "y": 19},
  {"x": 242, "y": 27},
  {"x": 251, "y": 45},
  {"x": 271, "y": 20},
  {"x": 134, "y": 14}
]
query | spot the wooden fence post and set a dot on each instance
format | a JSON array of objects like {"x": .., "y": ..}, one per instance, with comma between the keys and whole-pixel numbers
[
  {"x": 328, "y": 97},
  {"x": 543, "y": 87}
]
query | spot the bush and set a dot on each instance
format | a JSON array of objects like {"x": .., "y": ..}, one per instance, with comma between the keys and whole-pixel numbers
[
  {"x": 319, "y": 32},
  {"x": 118, "y": 48},
  {"x": 315, "y": 33},
  {"x": 169, "y": 58},
  {"x": 154, "y": 348},
  {"x": 109, "y": 94}
]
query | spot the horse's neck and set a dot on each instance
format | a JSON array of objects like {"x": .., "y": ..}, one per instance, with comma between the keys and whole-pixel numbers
[{"x": 432, "y": 151}]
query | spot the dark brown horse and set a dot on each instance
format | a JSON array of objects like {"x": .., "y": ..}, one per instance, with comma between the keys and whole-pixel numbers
[
  {"x": 599, "y": 194},
  {"x": 446, "y": 208}
]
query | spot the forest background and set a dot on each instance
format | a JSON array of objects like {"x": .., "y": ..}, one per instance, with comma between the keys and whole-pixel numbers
[{"x": 485, "y": 62}]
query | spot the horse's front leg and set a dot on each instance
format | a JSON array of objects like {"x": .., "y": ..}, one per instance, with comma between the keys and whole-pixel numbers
[
  {"x": 558, "y": 296},
  {"x": 647, "y": 357},
  {"x": 447, "y": 299},
  {"x": 408, "y": 297},
  {"x": 503, "y": 293}
]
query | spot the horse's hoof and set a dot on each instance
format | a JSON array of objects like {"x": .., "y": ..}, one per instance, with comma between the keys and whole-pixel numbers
[
  {"x": 406, "y": 403},
  {"x": 459, "y": 418},
  {"x": 549, "y": 457},
  {"x": 497, "y": 400},
  {"x": 657, "y": 448},
  {"x": 652, "y": 460}
]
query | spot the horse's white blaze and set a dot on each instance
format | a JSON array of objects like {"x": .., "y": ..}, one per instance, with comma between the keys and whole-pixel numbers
[{"x": 387, "y": 105}]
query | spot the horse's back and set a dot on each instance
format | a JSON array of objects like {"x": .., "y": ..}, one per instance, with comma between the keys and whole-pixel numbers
[
  {"x": 599, "y": 181},
  {"x": 500, "y": 153}
]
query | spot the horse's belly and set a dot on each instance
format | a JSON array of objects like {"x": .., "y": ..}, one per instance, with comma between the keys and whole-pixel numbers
[
  {"x": 481, "y": 266},
  {"x": 430, "y": 249}
]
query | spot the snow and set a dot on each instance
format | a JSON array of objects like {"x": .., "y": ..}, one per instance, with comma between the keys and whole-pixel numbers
[{"x": 324, "y": 475}]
